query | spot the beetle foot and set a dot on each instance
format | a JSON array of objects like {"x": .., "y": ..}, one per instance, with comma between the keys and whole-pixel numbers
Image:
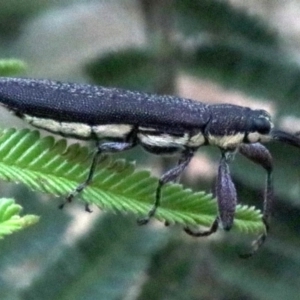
[
  {"x": 87, "y": 208},
  {"x": 145, "y": 220},
  {"x": 214, "y": 227},
  {"x": 62, "y": 205},
  {"x": 256, "y": 244},
  {"x": 76, "y": 191},
  {"x": 73, "y": 194},
  {"x": 68, "y": 199}
]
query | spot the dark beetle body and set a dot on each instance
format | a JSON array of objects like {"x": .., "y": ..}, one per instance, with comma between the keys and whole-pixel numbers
[
  {"x": 93, "y": 105},
  {"x": 119, "y": 120},
  {"x": 147, "y": 113}
]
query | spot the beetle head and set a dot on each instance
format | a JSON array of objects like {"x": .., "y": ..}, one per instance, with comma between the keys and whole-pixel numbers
[{"x": 259, "y": 126}]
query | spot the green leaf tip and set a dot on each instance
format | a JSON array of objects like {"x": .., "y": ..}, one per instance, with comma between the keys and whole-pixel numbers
[
  {"x": 10, "y": 67},
  {"x": 10, "y": 219},
  {"x": 49, "y": 166}
]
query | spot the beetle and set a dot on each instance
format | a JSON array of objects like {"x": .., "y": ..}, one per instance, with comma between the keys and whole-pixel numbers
[{"x": 118, "y": 120}]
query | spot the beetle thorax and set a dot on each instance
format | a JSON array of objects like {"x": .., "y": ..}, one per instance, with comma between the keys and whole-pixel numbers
[{"x": 232, "y": 125}]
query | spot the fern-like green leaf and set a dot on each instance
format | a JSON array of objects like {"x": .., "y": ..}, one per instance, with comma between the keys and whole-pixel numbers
[
  {"x": 49, "y": 166},
  {"x": 10, "y": 219}
]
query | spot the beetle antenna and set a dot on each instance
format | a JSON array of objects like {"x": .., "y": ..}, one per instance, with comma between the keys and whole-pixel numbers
[{"x": 285, "y": 137}]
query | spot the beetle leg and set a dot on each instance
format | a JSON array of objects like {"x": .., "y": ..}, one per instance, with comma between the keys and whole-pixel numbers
[
  {"x": 226, "y": 193},
  {"x": 169, "y": 176},
  {"x": 261, "y": 155},
  {"x": 226, "y": 197},
  {"x": 109, "y": 147}
]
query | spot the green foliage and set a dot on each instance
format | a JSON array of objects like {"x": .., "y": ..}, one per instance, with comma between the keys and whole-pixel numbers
[
  {"x": 10, "y": 67},
  {"x": 10, "y": 219},
  {"x": 130, "y": 68},
  {"x": 220, "y": 18},
  {"x": 259, "y": 71},
  {"x": 48, "y": 166},
  {"x": 110, "y": 260},
  {"x": 14, "y": 12},
  {"x": 114, "y": 258}
]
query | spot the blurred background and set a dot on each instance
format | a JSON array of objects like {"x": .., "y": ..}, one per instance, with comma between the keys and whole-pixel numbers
[{"x": 243, "y": 52}]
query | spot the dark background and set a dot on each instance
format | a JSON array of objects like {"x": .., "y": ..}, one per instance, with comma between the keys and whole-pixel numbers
[{"x": 214, "y": 51}]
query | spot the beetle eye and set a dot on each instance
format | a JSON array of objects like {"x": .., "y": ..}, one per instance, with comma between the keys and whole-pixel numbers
[{"x": 262, "y": 125}]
